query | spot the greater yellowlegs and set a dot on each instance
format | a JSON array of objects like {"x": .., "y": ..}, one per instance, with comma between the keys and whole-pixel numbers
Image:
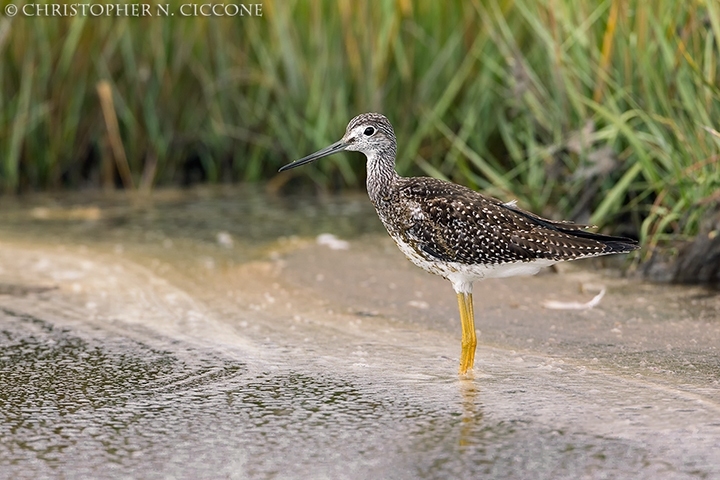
[{"x": 455, "y": 232}]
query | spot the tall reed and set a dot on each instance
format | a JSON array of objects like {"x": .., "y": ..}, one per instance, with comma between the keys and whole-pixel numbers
[{"x": 608, "y": 109}]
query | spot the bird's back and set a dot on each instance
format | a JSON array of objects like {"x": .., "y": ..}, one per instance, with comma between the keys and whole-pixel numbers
[{"x": 446, "y": 222}]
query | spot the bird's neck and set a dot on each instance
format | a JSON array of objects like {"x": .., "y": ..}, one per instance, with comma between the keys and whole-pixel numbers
[{"x": 381, "y": 178}]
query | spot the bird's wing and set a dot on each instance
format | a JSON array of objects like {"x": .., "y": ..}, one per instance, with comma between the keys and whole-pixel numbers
[{"x": 452, "y": 223}]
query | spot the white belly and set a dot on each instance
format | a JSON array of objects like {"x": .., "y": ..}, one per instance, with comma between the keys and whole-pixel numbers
[{"x": 462, "y": 275}]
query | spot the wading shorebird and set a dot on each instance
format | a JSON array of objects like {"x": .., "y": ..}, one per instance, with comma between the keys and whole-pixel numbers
[{"x": 456, "y": 232}]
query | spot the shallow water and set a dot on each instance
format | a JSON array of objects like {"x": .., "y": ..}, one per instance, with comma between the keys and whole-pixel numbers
[{"x": 204, "y": 334}]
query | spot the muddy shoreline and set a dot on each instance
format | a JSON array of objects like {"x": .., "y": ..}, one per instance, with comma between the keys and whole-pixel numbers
[{"x": 276, "y": 351}]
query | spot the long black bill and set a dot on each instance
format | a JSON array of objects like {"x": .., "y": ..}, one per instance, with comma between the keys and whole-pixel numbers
[{"x": 334, "y": 148}]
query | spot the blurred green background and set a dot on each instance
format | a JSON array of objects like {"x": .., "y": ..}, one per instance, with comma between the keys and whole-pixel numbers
[{"x": 599, "y": 111}]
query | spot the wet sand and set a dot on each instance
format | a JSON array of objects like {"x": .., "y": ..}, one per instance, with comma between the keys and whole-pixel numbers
[{"x": 169, "y": 356}]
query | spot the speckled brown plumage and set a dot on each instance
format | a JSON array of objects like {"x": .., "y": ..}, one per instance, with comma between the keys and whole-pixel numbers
[{"x": 451, "y": 223}]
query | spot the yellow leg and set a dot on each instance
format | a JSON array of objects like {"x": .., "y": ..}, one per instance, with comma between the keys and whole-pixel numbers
[{"x": 469, "y": 341}]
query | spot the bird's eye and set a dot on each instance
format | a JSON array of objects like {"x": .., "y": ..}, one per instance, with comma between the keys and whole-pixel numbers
[{"x": 369, "y": 131}]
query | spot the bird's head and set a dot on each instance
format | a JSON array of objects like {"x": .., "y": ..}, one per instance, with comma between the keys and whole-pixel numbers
[{"x": 369, "y": 133}]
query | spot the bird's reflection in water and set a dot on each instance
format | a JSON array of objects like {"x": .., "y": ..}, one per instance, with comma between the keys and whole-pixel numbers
[{"x": 472, "y": 417}]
